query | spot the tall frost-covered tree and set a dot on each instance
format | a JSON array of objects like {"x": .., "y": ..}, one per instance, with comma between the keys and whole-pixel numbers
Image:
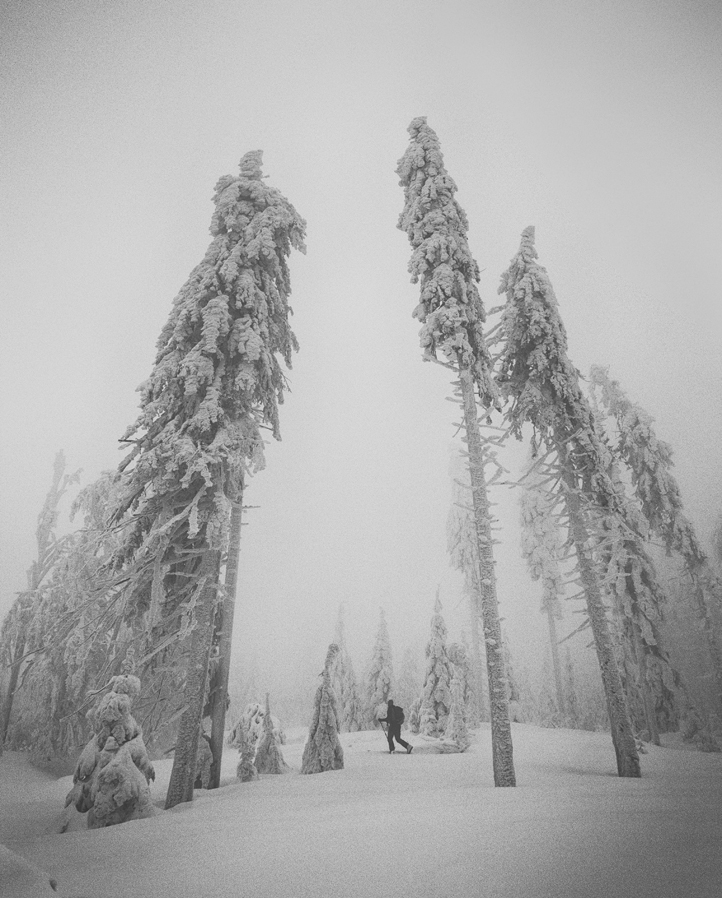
[
  {"x": 452, "y": 316},
  {"x": 436, "y": 691},
  {"x": 380, "y": 676},
  {"x": 537, "y": 376},
  {"x": 217, "y": 380},
  {"x": 344, "y": 683},
  {"x": 541, "y": 546},
  {"x": 656, "y": 488}
]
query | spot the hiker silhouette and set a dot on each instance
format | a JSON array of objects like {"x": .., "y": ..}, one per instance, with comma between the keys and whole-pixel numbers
[{"x": 394, "y": 718}]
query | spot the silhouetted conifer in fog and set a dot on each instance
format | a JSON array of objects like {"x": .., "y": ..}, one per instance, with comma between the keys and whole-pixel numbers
[
  {"x": 380, "y": 675},
  {"x": 542, "y": 385},
  {"x": 452, "y": 317},
  {"x": 49, "y": 684},
  {"x": 541, "y": 545},
  {"x": 436, "y": 691},
  {"x": 344, "y": 682},
  {"x": 656, "y": 488}
]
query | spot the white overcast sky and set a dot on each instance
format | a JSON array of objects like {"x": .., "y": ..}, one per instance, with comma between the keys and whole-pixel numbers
[{"x": 600, "y": 123}]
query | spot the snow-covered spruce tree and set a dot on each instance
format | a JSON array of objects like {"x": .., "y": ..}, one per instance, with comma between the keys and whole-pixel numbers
[
  {"x": 343, "y": 681},
  {"x": 322, "y": 751},
  {"x": 408, "y": 683},
  {"x": 380, "y": 676},
  {"x": 541, "y": 546},
  {"x": 18, "y": 621},
  {"x": 436, "y": 691},
  {"x": 268, "y": 755},
  {"x": 537, "y": 376},
  {"x": 216, "y": 381},
  {"x": 452, "y": 316},
  {"x": 656, "y": 488},
  {"x": 463, "y": 671}
]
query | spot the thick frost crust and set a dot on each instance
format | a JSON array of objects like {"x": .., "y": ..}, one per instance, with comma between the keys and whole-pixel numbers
[{"x": 450, "y": 309}]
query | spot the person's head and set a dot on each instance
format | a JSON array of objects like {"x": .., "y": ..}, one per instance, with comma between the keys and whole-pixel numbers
[{"x": 391, "y": 703}]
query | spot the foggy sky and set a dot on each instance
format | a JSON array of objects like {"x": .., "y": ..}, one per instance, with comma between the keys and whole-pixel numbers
[{"x": 598, "y": 123}]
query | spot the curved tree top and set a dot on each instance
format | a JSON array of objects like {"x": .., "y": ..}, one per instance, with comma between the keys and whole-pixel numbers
[
  {"x": 650, "y": 461},
  {"x": 536, "y": 374},
  {"x": 217, "y": 376},
  {"x": 450, "y": 310}
]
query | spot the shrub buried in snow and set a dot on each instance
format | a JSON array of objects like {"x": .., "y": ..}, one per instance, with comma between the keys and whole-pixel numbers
[{"x": 112, "y": 774}]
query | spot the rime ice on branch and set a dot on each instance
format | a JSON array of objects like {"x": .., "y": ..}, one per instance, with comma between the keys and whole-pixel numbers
[
  {"x": 536, "y": 374},
  {"x": 452, "y": 316}
]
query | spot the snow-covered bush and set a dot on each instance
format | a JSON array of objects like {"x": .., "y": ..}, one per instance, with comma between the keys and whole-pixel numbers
[
  {"x": 113, "y": 772},
  {"x": 251, "y": 727}
]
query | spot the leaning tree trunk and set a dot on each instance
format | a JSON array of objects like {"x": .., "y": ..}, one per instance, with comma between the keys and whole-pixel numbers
[
  {"x": 554, "y": 642},
  {"x": 501, "y": 745},
  {"x": 622, "y": 732},
  {"x": 647, "y": 700},
  {"x": 183, "y": 774},
  {"x": 220, "y": 696}
]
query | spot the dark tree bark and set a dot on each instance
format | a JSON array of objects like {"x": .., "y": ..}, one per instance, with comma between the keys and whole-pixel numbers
[{"x": 183, "y": 774}]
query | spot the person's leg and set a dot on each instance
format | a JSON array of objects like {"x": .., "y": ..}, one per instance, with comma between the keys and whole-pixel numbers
[
  {"x": 390, "y": 737},
  {"x": 396, "y": 733}
]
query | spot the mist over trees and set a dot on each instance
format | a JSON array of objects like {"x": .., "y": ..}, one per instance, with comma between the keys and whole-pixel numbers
[{"x": 145, "y": 587}]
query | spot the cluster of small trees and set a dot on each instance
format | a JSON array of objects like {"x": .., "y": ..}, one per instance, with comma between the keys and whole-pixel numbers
[{"x": 148, "y": 583}]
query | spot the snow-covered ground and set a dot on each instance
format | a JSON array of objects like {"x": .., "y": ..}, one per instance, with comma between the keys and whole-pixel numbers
[{"x": 417, "y": 825}]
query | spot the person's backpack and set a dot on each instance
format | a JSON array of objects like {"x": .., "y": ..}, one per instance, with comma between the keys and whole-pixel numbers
[{"x": 398, "y": 715}]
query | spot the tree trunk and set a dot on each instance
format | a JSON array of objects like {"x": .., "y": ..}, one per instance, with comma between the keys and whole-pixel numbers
[
  {"x": 554, "y": 642},
  {"x": 501, "y": 745},
  {"x": 10, "y": 695},
  {"x": 477, "y": 663},
  {"x": 710, "y": 630},
  {"x": 183, "y": 774},
  {"x": 621, "y": 725},
  {"x": 220, "y": 696}
]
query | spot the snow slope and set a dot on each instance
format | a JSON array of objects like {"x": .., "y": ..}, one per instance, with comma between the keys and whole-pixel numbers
[{"x": 421, "y": 825}]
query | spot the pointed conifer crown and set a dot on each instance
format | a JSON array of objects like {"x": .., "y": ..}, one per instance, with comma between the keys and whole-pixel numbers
[
  {"x": 450, "y": 309},
  {"x": 536, "y": 374}
]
